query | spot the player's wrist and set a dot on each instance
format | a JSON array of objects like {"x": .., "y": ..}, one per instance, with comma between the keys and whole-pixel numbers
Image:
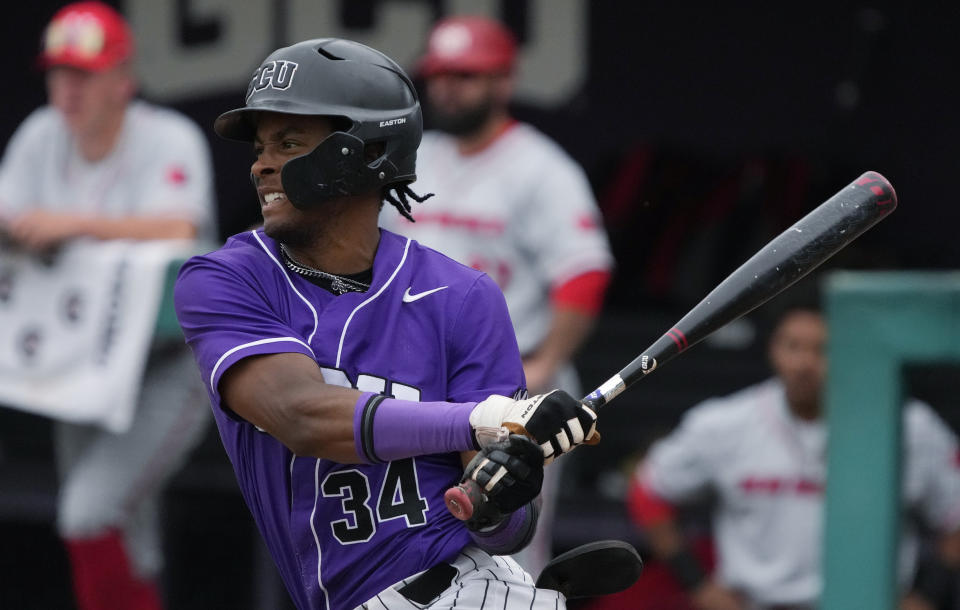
[
  {"x": 386, "y": 429},
  {"x": 935, "y": 580},
  {"x": 686, "y": 568}
]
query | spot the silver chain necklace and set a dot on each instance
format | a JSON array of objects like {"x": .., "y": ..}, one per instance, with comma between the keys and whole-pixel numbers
[{"x": 338, "y": 284}]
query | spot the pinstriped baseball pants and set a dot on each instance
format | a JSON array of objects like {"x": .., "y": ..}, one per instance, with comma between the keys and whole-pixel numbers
[{"x": 483, "y": 582}]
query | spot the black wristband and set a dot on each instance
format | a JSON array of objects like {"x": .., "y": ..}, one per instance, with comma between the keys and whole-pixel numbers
[
  {"x": 935, "y": 580},
  {"x": 366, "y": 428},
  {"x": 686, "y": 569}
]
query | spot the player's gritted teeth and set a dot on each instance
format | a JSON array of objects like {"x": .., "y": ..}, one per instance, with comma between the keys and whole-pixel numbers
[{"x": 271, "y": 197}]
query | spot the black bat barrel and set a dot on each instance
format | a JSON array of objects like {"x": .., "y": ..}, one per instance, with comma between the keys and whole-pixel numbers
[{"x": 782, "y": 262}]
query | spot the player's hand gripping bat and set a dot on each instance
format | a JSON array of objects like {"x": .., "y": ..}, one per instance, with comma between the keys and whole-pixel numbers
[{"x": 779, "y": 264}]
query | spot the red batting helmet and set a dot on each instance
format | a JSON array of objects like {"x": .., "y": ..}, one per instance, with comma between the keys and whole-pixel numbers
[{"x": 468, "y": 44}]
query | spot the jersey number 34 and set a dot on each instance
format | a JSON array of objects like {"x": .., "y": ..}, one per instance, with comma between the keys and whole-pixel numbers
[{"x": 399, "y": 497}]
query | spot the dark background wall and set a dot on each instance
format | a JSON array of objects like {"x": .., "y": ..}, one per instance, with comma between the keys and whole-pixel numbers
[
  {"x": 705, "y": 131},
  {"x": 736, "y": 117}
]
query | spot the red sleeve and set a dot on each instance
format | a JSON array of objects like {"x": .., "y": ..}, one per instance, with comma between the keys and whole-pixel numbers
[
  {"x": 584, "y": 292},
  {"x": 646, "y": 507}
]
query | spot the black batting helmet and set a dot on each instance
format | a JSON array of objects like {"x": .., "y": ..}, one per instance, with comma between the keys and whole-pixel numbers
[{"x": 340, "y": 79}]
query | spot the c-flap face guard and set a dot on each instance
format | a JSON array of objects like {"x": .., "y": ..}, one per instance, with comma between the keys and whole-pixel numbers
[{"x": 335, "y": 168}]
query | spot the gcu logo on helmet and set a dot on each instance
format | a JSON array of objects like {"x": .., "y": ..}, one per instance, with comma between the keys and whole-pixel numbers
[{"x": 274, "y": 74}]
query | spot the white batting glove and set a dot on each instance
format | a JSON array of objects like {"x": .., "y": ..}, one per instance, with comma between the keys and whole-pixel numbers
[{"x": 557, "y": 422}]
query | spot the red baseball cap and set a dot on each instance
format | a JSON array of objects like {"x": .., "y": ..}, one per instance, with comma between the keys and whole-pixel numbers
[
  {"x": 468, "y": 44},
  {"x": 86, "y": 35}
]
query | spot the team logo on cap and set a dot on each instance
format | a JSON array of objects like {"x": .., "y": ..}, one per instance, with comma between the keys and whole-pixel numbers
[
  {"x": 276, "y": 74},
  {"x": 80, "y": 33},
  {"x": 451, "y": 40}
]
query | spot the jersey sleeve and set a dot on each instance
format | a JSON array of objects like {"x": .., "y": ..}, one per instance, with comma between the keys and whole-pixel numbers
[
  {"x": 562, "y": 227},
  {"x": 225, "y": 318},
  {"x": 483, "y": 357},
  {"x": 680, "y": 466},
  {"x": 178, "y": 177},
  {"x": 935, "y": 448},
  {"x": 17, "y": 169}
]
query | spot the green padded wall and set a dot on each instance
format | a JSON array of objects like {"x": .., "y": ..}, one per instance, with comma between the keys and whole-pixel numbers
[{"x": 878, "y": 321}]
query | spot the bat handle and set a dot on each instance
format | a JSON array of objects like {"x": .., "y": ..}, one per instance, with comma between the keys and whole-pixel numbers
[{"x": 463, "y": 499}]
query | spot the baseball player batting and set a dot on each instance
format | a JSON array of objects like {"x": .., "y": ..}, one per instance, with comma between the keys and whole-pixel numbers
[{"x": 352, "y": 372}]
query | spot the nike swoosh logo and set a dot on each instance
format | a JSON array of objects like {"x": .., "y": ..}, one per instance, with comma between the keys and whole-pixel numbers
[{"x": 410, "y": 298}]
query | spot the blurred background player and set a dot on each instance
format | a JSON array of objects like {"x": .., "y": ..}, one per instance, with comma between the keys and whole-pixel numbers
[
  {"x": 760, "y": 455},
  {"x": 510, "y": 202},
  {"x": 95, "y": 163}
]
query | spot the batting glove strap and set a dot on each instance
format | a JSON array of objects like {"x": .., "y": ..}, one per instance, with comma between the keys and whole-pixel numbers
[
  {"x": 511, "y": 534},
  {"x": 935, "y": 580},
  {"x": 686, "y": 569}
]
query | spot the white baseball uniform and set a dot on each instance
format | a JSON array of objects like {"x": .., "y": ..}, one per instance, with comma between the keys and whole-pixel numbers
[
  {"x": 522, "y": 211},
  {"x": 160, "y": 166},
  {"x": 767, "y": 470}
]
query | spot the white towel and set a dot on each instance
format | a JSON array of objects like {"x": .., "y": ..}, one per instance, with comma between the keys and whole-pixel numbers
[{"x": 75, "y": 330}]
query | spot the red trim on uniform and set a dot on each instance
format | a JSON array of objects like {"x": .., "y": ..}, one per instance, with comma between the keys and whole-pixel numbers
[
  {"x": 776, "y": 485},
  {"x": 103, "y": 579},
  {"x": 645, "y": 507},
  {"x": 584, "y": 292},
  {"x": 176, "y": 175},
  {"x": 587, "y": 222}
]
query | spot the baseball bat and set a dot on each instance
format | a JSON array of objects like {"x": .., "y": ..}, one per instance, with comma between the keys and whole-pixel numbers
[{"x": 779, "y": 264}]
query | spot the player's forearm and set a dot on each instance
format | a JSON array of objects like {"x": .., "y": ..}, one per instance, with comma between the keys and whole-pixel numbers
[
  {"x": 42, "y": 229},
  {"x": 286, "y": 396},
  {"x": 340, "y": 424},
  {"x": 669, "y": 546},
  {"x": 949, "y": 548},
  {"x": 141, "y": 228},
  {"x": 388, "y": 429},
  {"x": 937, "y": 574},
  {"x": 569, "y": 328},
  {"x": 656, "y": 517}
]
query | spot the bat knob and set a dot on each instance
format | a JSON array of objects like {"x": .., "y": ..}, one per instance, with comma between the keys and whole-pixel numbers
[{"x": 459, "y": 502}]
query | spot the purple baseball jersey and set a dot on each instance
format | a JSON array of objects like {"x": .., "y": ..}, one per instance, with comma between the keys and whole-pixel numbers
[{"x": 428, "y": 329}]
